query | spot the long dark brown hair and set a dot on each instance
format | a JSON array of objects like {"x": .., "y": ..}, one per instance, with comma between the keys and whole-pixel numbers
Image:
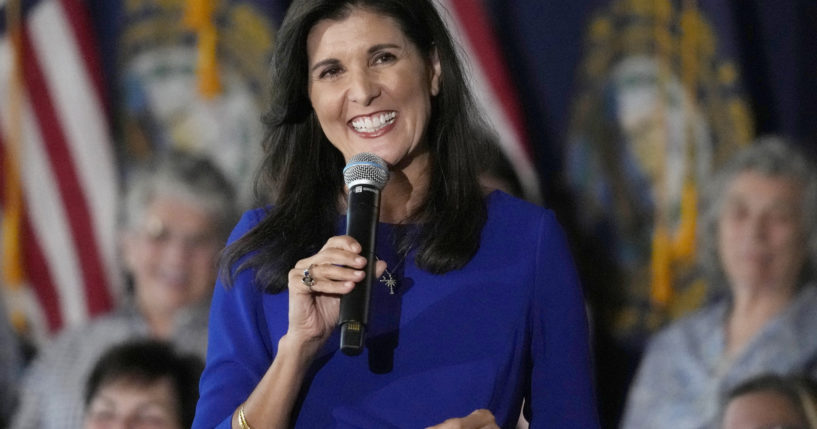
[{"x": 301, "y": 171}]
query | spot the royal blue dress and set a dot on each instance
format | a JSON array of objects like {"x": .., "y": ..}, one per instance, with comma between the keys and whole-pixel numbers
[{"x": 510, "y": 325}]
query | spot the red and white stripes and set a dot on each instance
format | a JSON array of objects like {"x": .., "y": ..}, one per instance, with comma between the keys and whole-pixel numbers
[
  {"x": 470, "y": 26},
  {"x": 67, "y": 165}
]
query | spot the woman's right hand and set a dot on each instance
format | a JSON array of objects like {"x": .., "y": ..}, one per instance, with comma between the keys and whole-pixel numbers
[
  {"x": 314, "y": 310},
  {"x": 313, "y": 315}
]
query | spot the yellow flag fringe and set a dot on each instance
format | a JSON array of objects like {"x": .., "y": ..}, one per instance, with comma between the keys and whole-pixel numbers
[
  {"x": 199, "y": 16},
  {"x": 13, "y": 270},
  {"x": 661, "y": 265},
  {"x": 668, "y": 253},
  {"x": 13, "y": 267}
]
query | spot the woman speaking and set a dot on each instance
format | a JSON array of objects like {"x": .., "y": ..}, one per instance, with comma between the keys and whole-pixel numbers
[{"x": 476, "y": 309}]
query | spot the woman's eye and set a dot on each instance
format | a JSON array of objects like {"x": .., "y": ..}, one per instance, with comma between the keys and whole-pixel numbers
[
  {"x": 329, "y": 72},
  {"x": 151, "y": 421},
  {"x": 102, "y": 416},
  {"x": 384, "y": 57}
]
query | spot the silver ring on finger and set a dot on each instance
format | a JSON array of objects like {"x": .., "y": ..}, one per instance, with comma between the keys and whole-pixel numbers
[{"x": 307, "y": 279}]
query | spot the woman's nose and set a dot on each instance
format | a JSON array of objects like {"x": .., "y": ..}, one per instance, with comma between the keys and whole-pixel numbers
[
  {"x": 363, "y": 88},
  {"x": 757, "y": 227},
  {"x": 177, "y": 250}
]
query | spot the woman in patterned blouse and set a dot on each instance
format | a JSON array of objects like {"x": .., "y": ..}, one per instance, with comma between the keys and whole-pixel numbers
[{"x": 760, "y": 241}]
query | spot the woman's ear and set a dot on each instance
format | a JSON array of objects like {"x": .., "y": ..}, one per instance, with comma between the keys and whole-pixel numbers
[{"x": 436, "y": 72}]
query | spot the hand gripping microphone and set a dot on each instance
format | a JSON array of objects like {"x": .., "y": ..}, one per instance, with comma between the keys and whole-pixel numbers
[{"x": 365, "y": 175}]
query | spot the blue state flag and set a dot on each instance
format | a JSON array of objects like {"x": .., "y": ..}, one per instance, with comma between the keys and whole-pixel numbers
[{"x": 190, "y": 75}]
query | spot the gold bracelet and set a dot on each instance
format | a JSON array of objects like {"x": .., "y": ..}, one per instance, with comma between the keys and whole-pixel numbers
[{"x": 242, "y": 420}]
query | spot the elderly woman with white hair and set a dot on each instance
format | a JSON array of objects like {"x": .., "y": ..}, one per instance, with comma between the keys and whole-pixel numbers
[
  {"x": 759, "y": 247},
  {"x": 176, "y": 216}
]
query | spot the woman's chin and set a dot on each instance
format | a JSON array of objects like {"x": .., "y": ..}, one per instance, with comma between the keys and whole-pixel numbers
[{"x": 759, "y": 282}]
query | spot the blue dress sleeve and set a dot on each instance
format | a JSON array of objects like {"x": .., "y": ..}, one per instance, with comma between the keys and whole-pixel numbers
[
  {"x": 239, "y": 350},
  {"x": 561, "y": 382}
]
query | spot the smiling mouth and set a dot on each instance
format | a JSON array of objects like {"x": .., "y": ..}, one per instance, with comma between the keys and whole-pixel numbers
[{"x": 371, "y": 124}]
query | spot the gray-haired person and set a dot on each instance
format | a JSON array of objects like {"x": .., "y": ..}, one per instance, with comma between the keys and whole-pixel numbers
[
  {"x": 757, "y": 238},
  {"x": 175, "y": 219}
]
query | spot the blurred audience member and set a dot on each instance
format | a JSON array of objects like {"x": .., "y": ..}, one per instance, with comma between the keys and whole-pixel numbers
[
  {"x": 143, "y": 384},
  {"x": 772, "y": 401},
  {"x": 177, "y": 213},
  {"x": 759, "y": 244},
  {"x": 10, "y": 366}
]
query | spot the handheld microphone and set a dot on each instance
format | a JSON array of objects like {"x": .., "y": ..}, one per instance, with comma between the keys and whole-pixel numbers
[{"x": 365, "y": 175}]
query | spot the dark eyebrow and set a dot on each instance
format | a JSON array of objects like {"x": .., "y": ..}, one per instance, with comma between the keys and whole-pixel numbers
[
  {"x": 322, "y": 63},
  {"x": 382, "y": 46},
  {"x": 373, "y": 49}
]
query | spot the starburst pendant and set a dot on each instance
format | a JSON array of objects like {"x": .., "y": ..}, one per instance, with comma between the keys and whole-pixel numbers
[{"x": 388, "y": 280}]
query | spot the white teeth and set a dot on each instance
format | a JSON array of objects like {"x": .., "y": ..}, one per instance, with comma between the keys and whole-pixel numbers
[{"x": 374, "y": 123}]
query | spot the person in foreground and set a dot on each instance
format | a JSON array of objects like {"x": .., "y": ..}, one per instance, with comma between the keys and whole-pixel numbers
[
  {"x": 177, "y": 214},
  {"x": 759, "y": 237},
  {"x": 479, "y": 306},
  {"x": 771, "y": 401},
  {"x": 142, "y": 383}
]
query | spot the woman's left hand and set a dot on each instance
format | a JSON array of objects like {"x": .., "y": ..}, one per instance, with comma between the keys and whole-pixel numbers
[{"x": 479, "y": 419}]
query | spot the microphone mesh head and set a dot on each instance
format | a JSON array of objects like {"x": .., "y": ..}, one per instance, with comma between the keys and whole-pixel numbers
[{"x": 366, "y": 169}]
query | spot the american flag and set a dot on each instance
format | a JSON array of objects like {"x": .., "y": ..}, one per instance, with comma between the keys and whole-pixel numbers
[
  {"x": 59, "y": 178},
  {"x": 471, "y": 27}
]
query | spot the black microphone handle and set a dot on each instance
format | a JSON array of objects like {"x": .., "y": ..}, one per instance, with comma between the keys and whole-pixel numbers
[{"x": 361, "y": 224}]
